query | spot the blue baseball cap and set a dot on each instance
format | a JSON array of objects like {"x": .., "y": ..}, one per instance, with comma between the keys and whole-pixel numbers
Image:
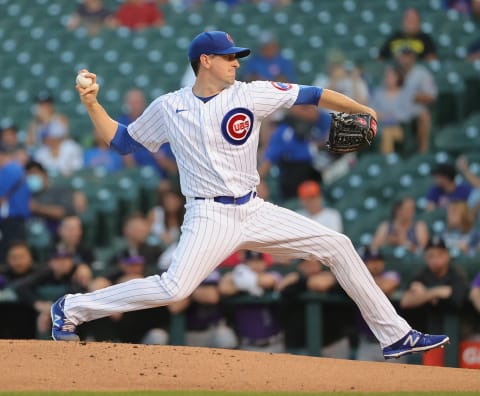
[{"x": 214, "y": 43}]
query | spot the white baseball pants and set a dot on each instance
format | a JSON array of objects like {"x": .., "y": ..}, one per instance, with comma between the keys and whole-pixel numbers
[{"x": 212, "y": 231}]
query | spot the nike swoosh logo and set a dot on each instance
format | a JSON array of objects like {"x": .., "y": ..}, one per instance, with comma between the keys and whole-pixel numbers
[{"x": 180, "y": 110}]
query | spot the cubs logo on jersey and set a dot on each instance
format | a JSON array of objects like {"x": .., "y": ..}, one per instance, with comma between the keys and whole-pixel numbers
[
  {"x": 237, "y": 125},
  {"x": 282, "y": 86}
]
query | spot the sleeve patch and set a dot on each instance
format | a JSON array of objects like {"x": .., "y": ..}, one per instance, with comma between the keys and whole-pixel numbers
[{"x": 282, "y": 86}]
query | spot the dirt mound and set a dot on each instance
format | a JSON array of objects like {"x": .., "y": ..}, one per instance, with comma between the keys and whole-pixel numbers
[{"x": 61, "y": 366}]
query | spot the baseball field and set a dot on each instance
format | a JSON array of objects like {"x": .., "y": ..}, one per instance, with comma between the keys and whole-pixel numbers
[{"x": 58, "y": 368}]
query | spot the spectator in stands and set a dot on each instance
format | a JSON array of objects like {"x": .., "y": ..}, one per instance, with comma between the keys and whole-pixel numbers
[
  {"x": 102, "y": 156},
  {"x": 46, "y": 285},
  {"x": 410, "y": 36},
  {"x": 460, "y": 235},
  {"x": 205, "y": 325},
  {"x": 461, "y": 6},
  {"x": 49, "y": 201},
  {"x": 388, "y": 281},
  {"x": 145, "y": 326},
  {"x": 310, "y": 195},
  {"x": 92, "y": 15},
  {"x": 70, "y": 234},
  {"x": 474, "y": 294},
  {"x": 19, "y": 263},
  {"x": 419, "y": 91},
  {"x": 138, "y": 14},
  {"x": 9, "y": 139},
  {"x": 163, "y": 161},
  {"x": 344, "y": 77},
  {"x": 135, "y": 231},
  {"x": 45, "y": 114},
  {"x": 57, "y": 153},
  {"x": 14, "y": 200},
  {"x": 310, "y": 276},
  {"x": 296, "y": 148},
  {"x": 474, "y": 180},
  {"x": 445, "y": 189},
  {"x": 440, "y": 287},
  {"x": 388, "y": 102},
  {"x": 269, "y": 63},
  {"x": 402, "y": 229},
  {"x": 257, "y": 325},
  {"x": 18, "y": 319},
  {"x": 166, "y": 218}
]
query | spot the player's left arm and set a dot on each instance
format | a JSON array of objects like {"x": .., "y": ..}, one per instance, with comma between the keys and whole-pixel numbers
[
  {"x": 338, "y": 102},
  {"x": 332, "y": 100}
]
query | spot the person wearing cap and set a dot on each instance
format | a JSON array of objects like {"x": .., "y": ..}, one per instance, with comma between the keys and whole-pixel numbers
[
  {"x": 268, "y": 63},
  {"x": 445, "y": 188},
  {"x": 44, "y": 114},
  {"x": 439, "y": 287},
  {"x": 59, "y": 154},
  {"x": 213, "y": 128},
  {"x": 14, "y": 200},
  {"x": 310, "y": 196},
  {"x": 410, "y": 35},
  {"x": 419, "y": 91}
]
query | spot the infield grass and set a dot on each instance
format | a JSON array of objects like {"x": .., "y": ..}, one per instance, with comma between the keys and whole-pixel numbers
[{"x": 218, "y": 393}]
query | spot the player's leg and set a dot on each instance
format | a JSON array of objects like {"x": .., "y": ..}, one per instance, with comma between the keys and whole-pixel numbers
[
  {"x": 281, "y": 231},
  {"x": 209, "y": 235}
]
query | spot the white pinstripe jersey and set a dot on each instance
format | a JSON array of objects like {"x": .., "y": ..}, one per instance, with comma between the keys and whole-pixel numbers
[{"x": 215, "y": 143}]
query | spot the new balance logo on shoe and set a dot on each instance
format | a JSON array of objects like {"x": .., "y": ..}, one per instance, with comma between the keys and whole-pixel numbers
[{"x": 411, "y": 340}]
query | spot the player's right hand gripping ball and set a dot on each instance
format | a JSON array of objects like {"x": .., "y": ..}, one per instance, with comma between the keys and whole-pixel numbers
[
  {"x": 351, "y": 132},
  {"x": 83, "y": 81}
]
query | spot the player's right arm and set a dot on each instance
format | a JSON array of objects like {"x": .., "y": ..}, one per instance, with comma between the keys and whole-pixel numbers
[
  {"x": 106, "y": 125},
  {"x": 112, "y": 132}
]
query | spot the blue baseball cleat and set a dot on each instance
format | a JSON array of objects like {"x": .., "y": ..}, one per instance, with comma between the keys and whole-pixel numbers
[
  {"x": 413, "y": 342},
  {"x": 62, "y": 328}
]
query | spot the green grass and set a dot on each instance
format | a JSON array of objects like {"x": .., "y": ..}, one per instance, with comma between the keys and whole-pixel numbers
[{"x": 216, "y": 393}]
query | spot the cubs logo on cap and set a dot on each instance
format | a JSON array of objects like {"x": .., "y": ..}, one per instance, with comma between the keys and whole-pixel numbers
[
  {"x": 215, "y": 43},
  {"x": 282, "y": 86},
  {"x": 237, "y": 125}
]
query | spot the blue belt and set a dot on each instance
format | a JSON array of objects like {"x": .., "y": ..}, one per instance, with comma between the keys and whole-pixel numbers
[{"x": 232, "y": 200}]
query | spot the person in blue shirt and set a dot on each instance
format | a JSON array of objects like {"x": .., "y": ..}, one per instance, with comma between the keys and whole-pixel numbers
[
  {"x": 294, "y": 148},
  {"x": 14, "y": 201},
  {"x": 101, "y": 156},
  {"x": 268, "y": 63},
  {"x": 162, "y": 161}
]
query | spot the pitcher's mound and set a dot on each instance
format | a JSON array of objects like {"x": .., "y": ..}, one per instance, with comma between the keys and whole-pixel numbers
[{"x": 62, "y": 366}]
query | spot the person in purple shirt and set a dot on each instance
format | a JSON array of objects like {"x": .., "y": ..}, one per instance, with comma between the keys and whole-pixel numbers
[
  {"x": 205, "y": 323},
  {"x": 445, "y": 189},
  {"x": 257, "y": 325}
]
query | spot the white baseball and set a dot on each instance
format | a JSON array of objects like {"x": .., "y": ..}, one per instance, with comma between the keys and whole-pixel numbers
[{"x": 83, "y": 81}]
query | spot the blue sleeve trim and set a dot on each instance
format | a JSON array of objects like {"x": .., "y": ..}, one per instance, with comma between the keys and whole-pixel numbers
[
  {"x": 123, "y": 142},
  {"x": 308, "y": 95}
]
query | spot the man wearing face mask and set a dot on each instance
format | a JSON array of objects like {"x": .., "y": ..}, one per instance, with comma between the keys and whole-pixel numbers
[
  {"x": 14, "y": 197},
  {"x": 52, "y": 202}
]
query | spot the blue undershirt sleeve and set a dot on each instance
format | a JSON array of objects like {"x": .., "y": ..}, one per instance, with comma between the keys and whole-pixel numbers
[
  {"x": 308, "y": 95},
  {"x": 123, "y": 142}
]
